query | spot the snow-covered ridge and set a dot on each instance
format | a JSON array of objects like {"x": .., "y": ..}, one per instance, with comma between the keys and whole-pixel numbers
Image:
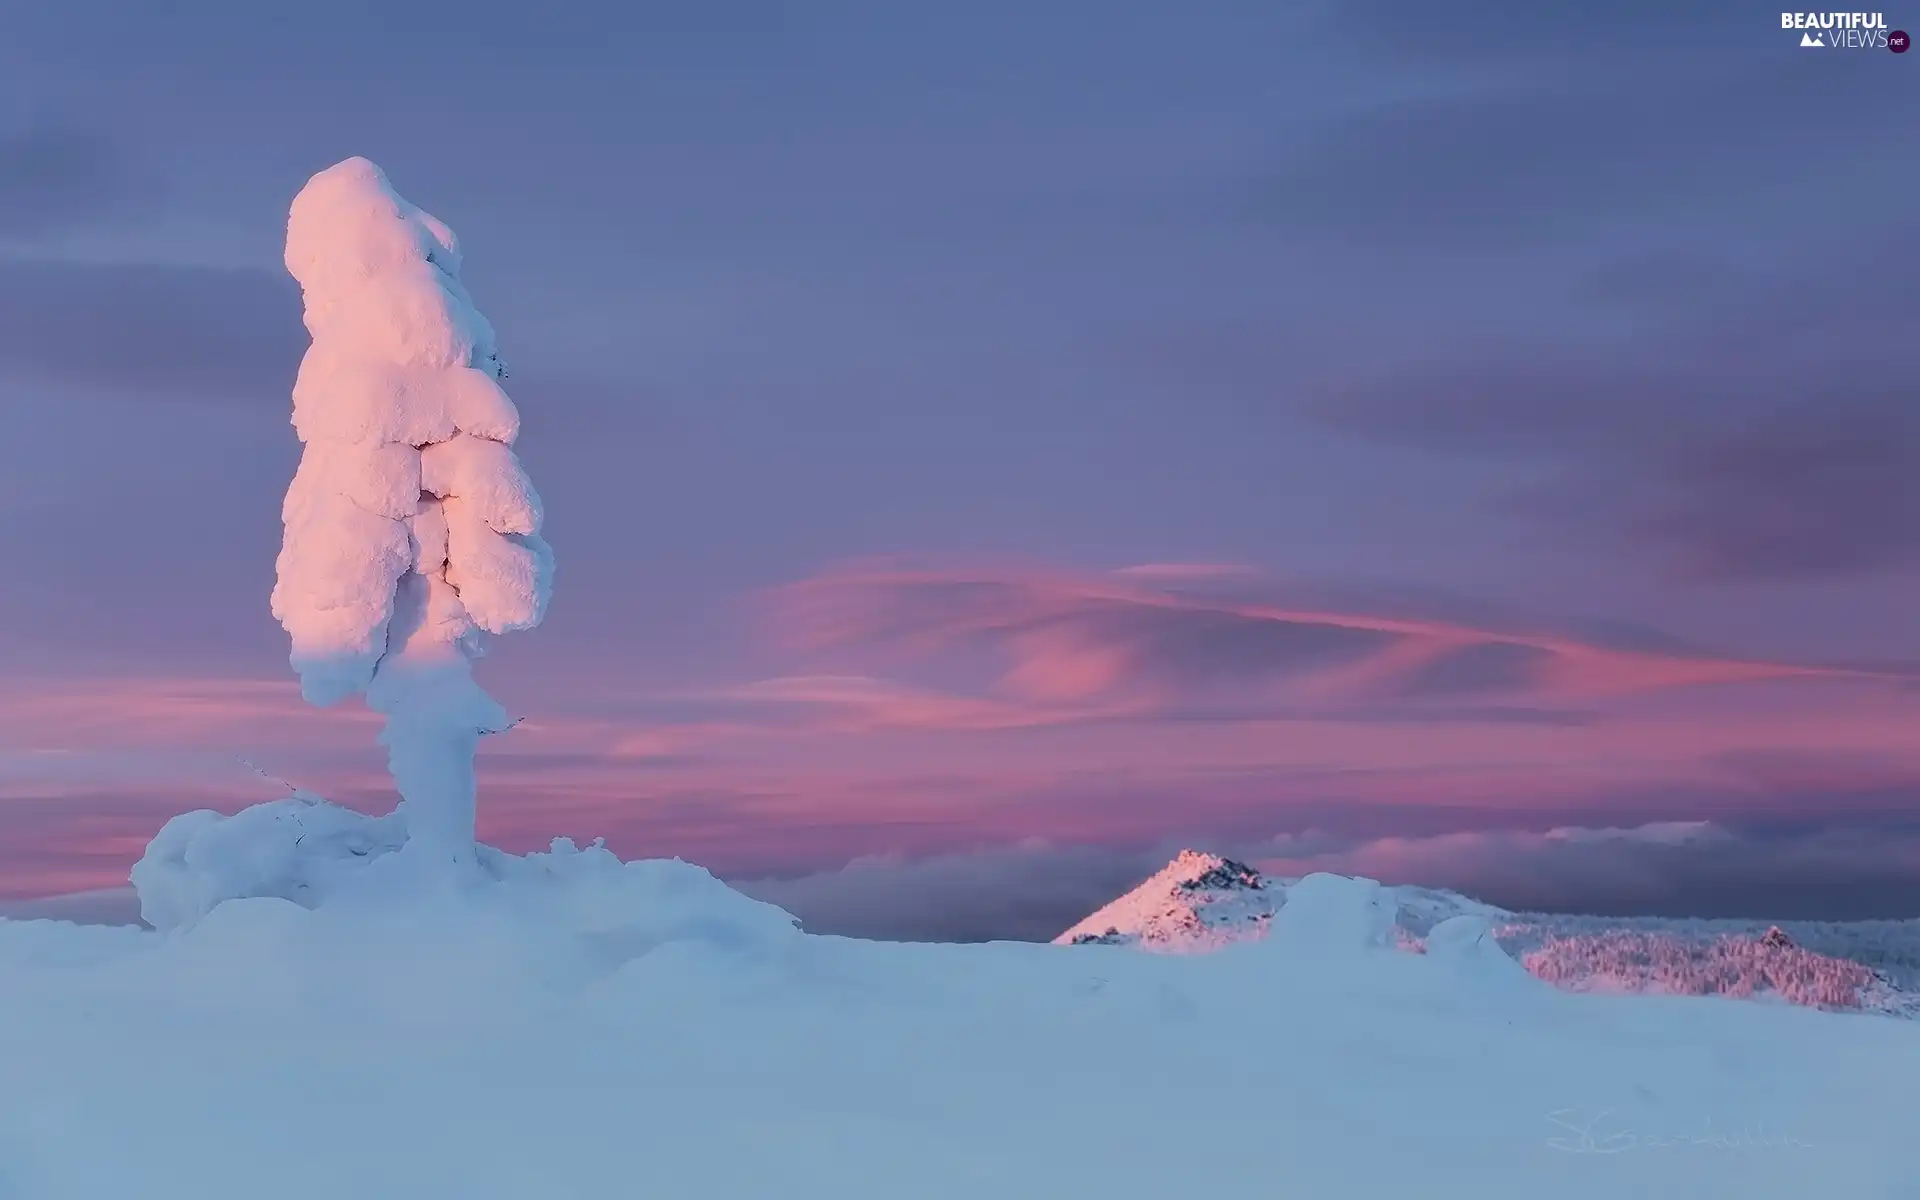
[{"x": 1202, "y": 902}]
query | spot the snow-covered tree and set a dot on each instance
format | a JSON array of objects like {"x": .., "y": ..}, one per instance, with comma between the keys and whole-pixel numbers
[{"x": 411, "y": 529}]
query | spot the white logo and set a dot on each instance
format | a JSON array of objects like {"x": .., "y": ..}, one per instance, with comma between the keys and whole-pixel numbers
[{"x": 1839, "y": 30}]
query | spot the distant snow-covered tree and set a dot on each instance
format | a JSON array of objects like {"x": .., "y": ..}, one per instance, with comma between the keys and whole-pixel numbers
[
  {"x": 1635, "y": 961},
  {"x": 411, "y": 529}
]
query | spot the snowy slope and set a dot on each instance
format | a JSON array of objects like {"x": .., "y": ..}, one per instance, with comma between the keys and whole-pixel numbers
[{"x": 1202, "y": 902}]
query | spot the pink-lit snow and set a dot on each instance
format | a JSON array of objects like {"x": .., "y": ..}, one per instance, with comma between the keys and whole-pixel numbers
[
  {"x": 411, "y": 529},
  {"x": 1199, "y": 903}
]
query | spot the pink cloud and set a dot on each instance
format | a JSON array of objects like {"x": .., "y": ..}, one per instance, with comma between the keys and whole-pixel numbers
[
  {"x": 1695, "y": 867},
  {"x": 1187, "y": 572},
  {"x": 859, "y": 703},
  {"x": 66, "y": 714},
  {"x": 1116, "y": 710},
  {"x": 1154, "y": 636}
]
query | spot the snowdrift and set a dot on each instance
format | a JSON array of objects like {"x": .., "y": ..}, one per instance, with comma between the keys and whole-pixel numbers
[{"x": 274, "y": 862}]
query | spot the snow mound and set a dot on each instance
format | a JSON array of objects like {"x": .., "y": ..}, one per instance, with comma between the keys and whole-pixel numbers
[
  {"x": 1467, "y": 943},
  {"x": 1202, "y": 902},
  {"x": 300, "y": 848},
  {"x": 251, "y": 875},
  {"x": 1333, "y": 914}
]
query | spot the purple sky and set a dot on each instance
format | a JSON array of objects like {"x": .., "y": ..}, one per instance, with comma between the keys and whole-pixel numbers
[{"x": 1000, "y": 443}]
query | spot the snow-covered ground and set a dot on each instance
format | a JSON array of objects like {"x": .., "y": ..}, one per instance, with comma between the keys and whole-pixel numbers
[{"x": 565, "y": 1025}]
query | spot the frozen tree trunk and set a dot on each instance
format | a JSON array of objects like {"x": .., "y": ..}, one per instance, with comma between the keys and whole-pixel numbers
[
  {"x": 411, "y": 531},
  {"x": 436, "y": 714}
]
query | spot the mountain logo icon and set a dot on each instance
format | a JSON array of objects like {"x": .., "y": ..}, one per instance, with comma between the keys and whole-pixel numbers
[{"x": 1811, "y": 39}]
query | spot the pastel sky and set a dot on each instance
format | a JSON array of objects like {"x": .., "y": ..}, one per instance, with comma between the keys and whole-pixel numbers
[{"x": 989, "y": 446}]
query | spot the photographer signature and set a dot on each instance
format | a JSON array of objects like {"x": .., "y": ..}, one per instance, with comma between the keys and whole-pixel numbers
[{"x": 1596, "y": 1134}]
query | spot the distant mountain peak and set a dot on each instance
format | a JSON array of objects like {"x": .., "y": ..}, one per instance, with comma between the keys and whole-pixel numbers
[
  {"x": 1200, "y": 902},
  {"x": 1197, "y": 872},
  {"x": 1196, "y": 902}
]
